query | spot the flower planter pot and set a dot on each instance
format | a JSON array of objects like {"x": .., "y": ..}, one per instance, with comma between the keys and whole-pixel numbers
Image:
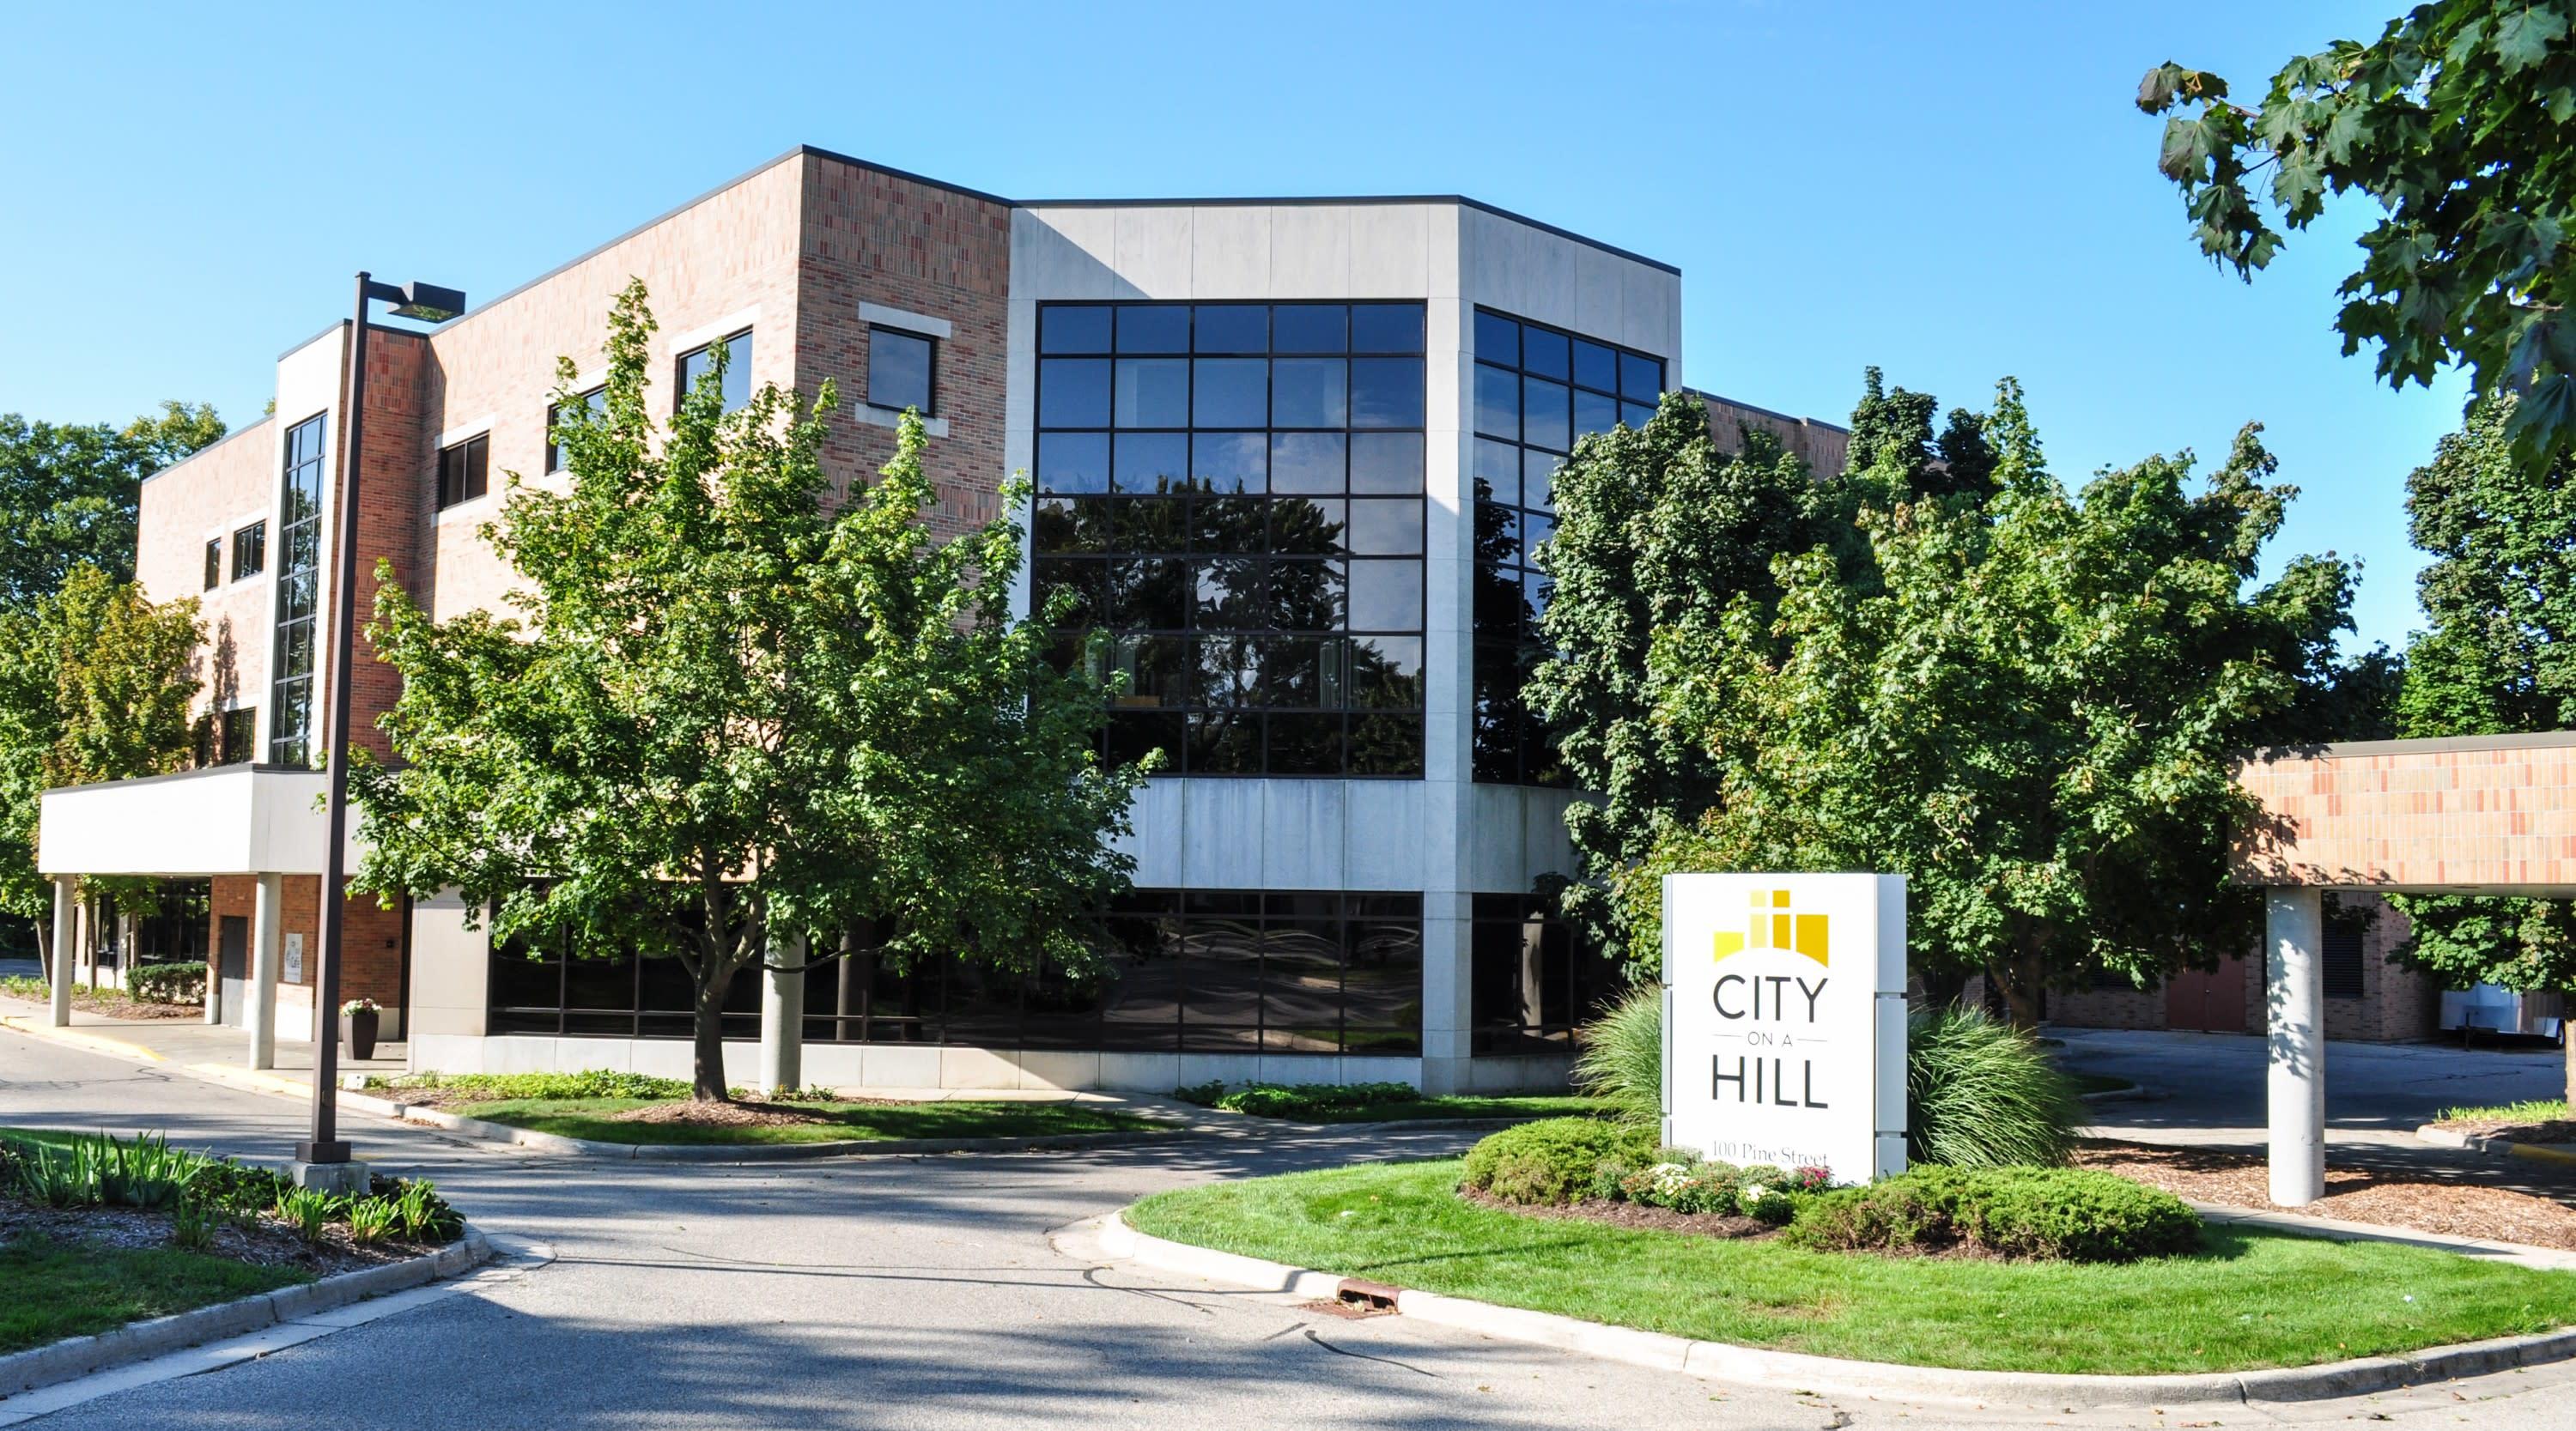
[{"x": 358, "y": 1031}]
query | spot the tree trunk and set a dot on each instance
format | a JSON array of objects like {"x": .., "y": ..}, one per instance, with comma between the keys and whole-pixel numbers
[
  {"x": 706, "y": 1039},
  {"x": 2017, "y": 978},
  {"x": 45, "y": 948}
]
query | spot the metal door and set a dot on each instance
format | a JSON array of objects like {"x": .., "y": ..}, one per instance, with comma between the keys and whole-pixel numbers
[{"x": 2211, "y": 1001}]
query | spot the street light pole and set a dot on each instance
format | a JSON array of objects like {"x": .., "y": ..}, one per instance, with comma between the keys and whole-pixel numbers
[{"x": 325, "y": 1150}]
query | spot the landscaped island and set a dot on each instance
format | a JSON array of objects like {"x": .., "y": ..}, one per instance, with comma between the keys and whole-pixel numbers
[
  {"x": 2243, "y": 1300},
  {"x": 96, "y": 1232},
  {"x": 608, "y": 1107}
]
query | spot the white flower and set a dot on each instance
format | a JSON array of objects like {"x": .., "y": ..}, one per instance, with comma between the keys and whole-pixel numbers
[{"x": 1753, "y": 1194}]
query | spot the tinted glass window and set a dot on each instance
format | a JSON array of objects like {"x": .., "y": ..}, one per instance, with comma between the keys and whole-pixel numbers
[
  {"x": 1196, "y": 503},
  {"x": 698, "y": 362},
  {"x": 899, "y": 368},
  {"x": 1528, "y": 416}
]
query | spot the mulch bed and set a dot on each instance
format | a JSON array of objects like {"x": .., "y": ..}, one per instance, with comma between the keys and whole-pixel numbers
[
  {"x": 1632, "y": 1215},
  {"x": 2385, "y": 1199},
  {"x": 693, "y": 1114},
  {"x": 254, "y": 1240},
  {"x": 108, "y": 1004}
]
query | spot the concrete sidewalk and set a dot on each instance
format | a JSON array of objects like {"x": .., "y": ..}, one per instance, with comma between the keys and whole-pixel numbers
[{"x": 194, "y": 1045}]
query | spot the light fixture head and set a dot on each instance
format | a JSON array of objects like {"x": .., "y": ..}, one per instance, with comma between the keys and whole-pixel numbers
[{"x": 429, "y": 303}]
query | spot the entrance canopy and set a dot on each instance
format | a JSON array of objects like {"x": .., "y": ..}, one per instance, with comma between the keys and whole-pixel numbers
[
  {"x": 2480, "y": 814},
  {"x": 2488, "y": 814},
  {"x": 225, "y": 820}
]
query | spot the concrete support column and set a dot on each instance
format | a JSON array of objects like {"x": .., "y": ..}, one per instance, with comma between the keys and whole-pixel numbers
[
  {"x": 66, "y": 936},
  {"x": 2294, "y": 996},
  {"x": 267, "y": 952},
  {"x": 1447, "y": 993},
  {"x": 782, "y": 1014}
]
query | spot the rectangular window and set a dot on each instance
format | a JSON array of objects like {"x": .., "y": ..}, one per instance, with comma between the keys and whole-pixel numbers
[
  {"x": 2345, "y": 951},
  {"x": 901, "y": 370},
  {"x": 1538, "y": 391},
  {"x": 699, "y": 362},
  {"x": 596, "y": 400},
  {"x": 214, "y": 563},
  {"x": 464, "y": 471},
  {"x": 1532, "y": 978},
  {"x": 1209, "y": 970},
  {"x": 250, "y": 550},
  {"x": 299, "y": 594},
  {"x": 1234, "y": 492},
  {"x": 236, "y": 743}
]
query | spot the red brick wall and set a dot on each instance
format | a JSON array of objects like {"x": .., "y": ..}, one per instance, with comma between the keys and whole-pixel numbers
[
  {"x": 390, "y": 509},
  {"x": 877, "y": 238},
  {"x": 373, "y": 937}
]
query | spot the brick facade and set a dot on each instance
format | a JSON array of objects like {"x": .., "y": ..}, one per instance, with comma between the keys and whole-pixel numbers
[
  {"x": 1826, "y": 448},
  {"x": 2397, "y": 1003},
  {"x": 373, "y": 938}
]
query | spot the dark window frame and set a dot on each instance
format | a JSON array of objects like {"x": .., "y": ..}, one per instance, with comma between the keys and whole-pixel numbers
[
  {"x": 1208, "y": 734},
  {"x": 596, "y": 399},
  {"x": 250, "y": 549},
  {"x": 929, "y": 405},
  {"x": 737, "y": 361},
  {"x": 1503, "y": 658},
  {"x": 214, "y": 563},
  {"x": 464, "y": 471},
  {"x": 296, "y": 632}
]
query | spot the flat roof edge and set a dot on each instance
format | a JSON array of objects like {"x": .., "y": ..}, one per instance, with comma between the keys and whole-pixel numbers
[
  {"x": 1707, "y": 396},
  {"x": 1319, "y": 200},
  {"x": 263, "y": 420},
  {"x": 2429, "y": 745}
]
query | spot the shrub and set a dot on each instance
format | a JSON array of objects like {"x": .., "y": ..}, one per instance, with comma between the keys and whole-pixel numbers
[
  {"x": 1978, "y": 1092},
  {"x": 373, "y": 1219},
  {"x": 96, "y": 1170},
  {"x": 1273, "y": 1100},
  {"x": 1550, "y": 1161},
  {"x": 2060, "y": 1214},
  {"x": 1686, "y": 1187},
  {"x": 1204, "y": 1095},
  {"x": 1622, "y": 1056},
  {"x": 590, "y": 1083},
  {"x": 167, "y": 983},
  {"x": 307, "y": 1210},
  {"x": 192, "y": 1225}
]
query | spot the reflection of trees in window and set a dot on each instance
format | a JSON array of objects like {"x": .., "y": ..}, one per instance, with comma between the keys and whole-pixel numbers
[{"x": 1265, "y": 609}]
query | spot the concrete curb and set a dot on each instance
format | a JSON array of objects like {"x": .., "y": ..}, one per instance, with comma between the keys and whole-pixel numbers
[
  {"x": 137, "y": 1341},
  {"x": 2494, "y": 1146},
  {"x": 2134, "y": 1093},
  {"x": 34, "y": 1027},
  {"x": 737, "y": 1153},
  {"x": 1795, "y": 1371}
]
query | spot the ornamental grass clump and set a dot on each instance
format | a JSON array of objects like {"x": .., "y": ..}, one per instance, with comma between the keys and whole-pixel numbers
[
  {"x": 1980, "y": 1093},
  {"x": 1621, "y": 1058}
]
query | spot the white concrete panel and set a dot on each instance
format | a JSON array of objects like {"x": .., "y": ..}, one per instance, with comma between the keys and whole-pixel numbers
[
  {"x": 1383, "y": 847},
  {"x": 446, "y": 1053},
  {"x": 1390, "y": 251},
  {"x": 1310, "y": 251},
  {"x": 1359, "y": 1069},
  {"x": 835, "y": 1065},
  {"x": 1160, "y": 823},
  {"x": 1065, "y": 253},
  {"x": 1223, "y": 833},
  {"x": 898, "y": 1066},
  {"x": 976, "y": 1068},
  {"x": 1440, "y": 251},
  {"x": 1600, "y": 293},
  {"x": 451, "y": 967},
  {"x": 1140, "y": 1072},
  {"x": 1230, "y": 248},
  {"x": 1231, "y": 1069},
  {"x": 1154, "y": 251},
  {"x": 1651, "y": 309},
  {"x": 1301, "y": 1068},
  {"x": 1059, "y": 1068},
  {"x": 1302, "y": 831}
]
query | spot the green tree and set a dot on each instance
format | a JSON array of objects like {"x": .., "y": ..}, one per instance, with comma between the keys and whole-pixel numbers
[
  {"x": 2457, "y": 122},
  {"x": 1657, "y": 530},
  {"x": 2500, "y": 593},
  {"x": 2026, "y": 708},
  {"x": 69, "y": 493},
  {"x": 723, "y": 712},
  {"x": 95, "y": 684}
]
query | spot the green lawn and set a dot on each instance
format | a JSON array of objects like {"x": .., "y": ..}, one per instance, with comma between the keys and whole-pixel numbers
[
  {"x": 2546, "y": 1110},
  {"x": 2247, "y": 1300},
  {"x": 860, "y": 1122},
  {"x": 1530, "y": 1105},
  {"x": 71, "y": 1289}
]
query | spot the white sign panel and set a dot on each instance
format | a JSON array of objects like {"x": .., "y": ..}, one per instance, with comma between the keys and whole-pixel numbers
[
  {"x": 295, "y": 959},
  {"x": 1784, "y": 1027}
]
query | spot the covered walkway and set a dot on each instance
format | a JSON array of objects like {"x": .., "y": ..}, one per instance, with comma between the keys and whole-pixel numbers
[{"x": 2484, "y": 815}]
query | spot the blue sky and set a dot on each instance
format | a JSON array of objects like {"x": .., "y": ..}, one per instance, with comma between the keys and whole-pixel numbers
[{"x": 1952, "y": 192}]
